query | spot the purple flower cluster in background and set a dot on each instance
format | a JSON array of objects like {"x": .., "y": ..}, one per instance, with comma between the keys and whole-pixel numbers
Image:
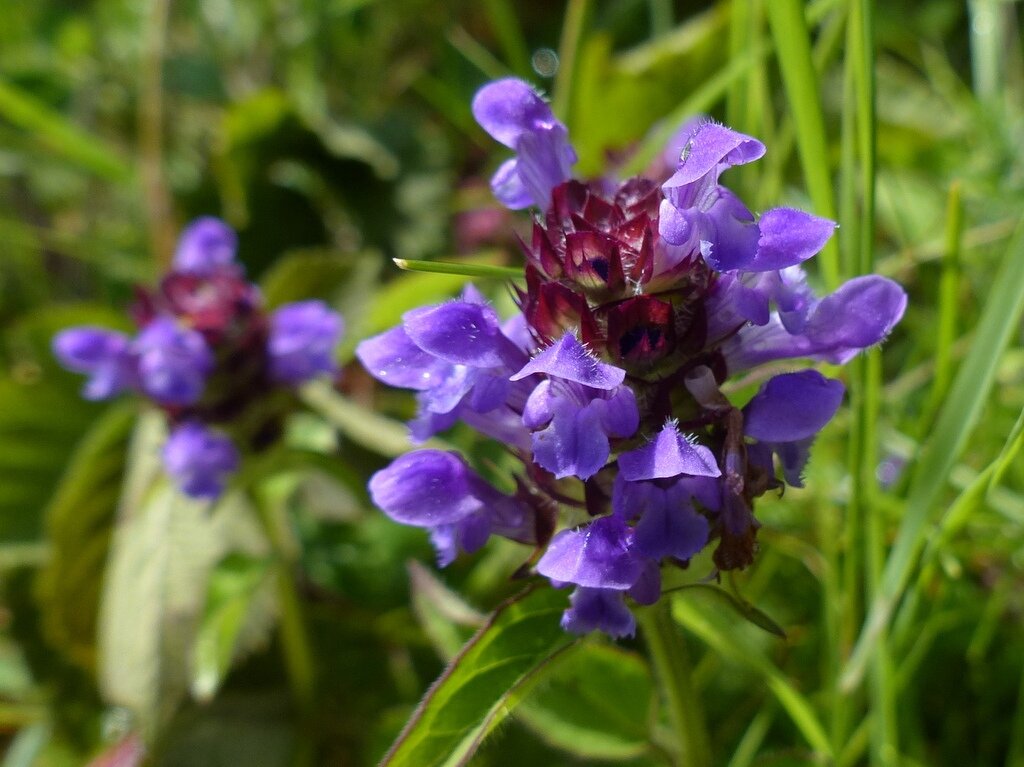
[
  {"x": 204, "y": 350},
  {"x": 642, "y": 297}
]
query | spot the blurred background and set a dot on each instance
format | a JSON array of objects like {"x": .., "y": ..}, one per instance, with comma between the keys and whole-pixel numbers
[{"x": 336, "y": 135}]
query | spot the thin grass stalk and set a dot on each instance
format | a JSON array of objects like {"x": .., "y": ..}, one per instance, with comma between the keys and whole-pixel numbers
[
  {"x": 577, "y": 17},
  {"x": 948, "y": 307},
  {"x": 505, "y": 25},
  {"x": 799, "y": 77},
  {"x": 960, "y": 412},
  {"x": 161, "y": 227}
]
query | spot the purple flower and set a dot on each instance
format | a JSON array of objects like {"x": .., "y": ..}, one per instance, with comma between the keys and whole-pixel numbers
[
  {"x": 458, "y": 358},
  {"x": 206, "y": 245},
  {"x": 641, "y": 298},
  {"x": 512, "y": 112},
  {"x": 601, "y": 560},
  {"x": 656, "y": 484},
  {"x": 787, "y": 413},
  {"x": 104, "y": 355},
  {"x": 438, "y": 491},
  {"x": 598, "y": 610},
  {"x": 859, "y": 314},
  {"x": 302, "y": 339},
  {"x": 199, "y": 460},
  {"x": 699, "y": 214},
  {"x": 575, "y": 411},
  {"x": 173, "y": 362}
]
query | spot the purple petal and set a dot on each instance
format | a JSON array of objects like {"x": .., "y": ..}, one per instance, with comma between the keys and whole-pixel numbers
[
  {"x": 713, "y": 145},
  {"x": 508, "y": 108},
  {"x": 544, "y": 161},
  {"x": 173, "y": 362},
  {"x": 425, "y": 488},
  {"x": 788, "y": 237},
  {"x": 647, "y": 588},
  {"x": 568, "y": 359},
  {"x": 857, "y": 315},
  {"x": 707, "y": 490},
  {"x": 596, "y": 556},
  {"x": 508, "y": 186},
  {"x": 794, "y": 457},
  {"x": 104, "y": 355},
  {"x": 619, "y": 414},
  {"x": 598, "y": 610},
  {"x": 205, "y": 245},
  {"x": 731, "y": 231},
  {"x": 394, "y": 359},
  {"x": 199, "y": 460},
  {"x": 679, "y": 226},
  {"x": 792, "y": 406},
  {"x": 302, "y": 339},
  {"x": 671, "y": 528},
  {"x": 461, "y": 333},
  {"x": 668, "y": 455},
  {"x": 426, "y": 423},
  {"x": 574, "y": 444},
  {"x": 540, "y": 407}
]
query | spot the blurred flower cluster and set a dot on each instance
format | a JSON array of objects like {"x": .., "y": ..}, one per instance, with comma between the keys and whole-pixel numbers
[
  {"x": 209, "y": 355},
  {"x": 642, "y": 297}
]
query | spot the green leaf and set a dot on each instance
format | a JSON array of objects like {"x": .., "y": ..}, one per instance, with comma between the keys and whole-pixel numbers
[
  {"x": 79, "y": 523},
  {"x": 445, "y": 617},
  {"x": 595, "y": 703},
  {"x": 364, "y": 427},
  {"x": 305, "y": 274},
  {"x": 233, "y": 588},
  {"x": 800, "y": 78},
  {"x": 484, "y": 683},
  {"x": 161, "y": 557}
]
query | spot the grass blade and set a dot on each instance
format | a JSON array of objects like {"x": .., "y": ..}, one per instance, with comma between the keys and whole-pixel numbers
[
  {"x": 64, "y": 138},
  {"x": 727, "y": 644},
  {"x": 800, "y": 79},
  {"x": 467, "y": 270},
  {"x": 957, "y": 419}
]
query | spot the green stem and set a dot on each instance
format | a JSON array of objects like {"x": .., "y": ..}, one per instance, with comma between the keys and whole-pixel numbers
[
  {"x": 295, "y": 643},
  {"x": 675, "y": 674}
]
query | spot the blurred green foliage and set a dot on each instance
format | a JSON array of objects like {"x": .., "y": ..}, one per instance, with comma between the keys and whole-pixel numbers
[{"x": 336, "y": 135}]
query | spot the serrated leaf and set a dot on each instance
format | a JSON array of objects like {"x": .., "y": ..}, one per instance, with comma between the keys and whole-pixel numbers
[
  {"x": 484, "y": 683},
  {"x": 234, "y": 588},
  {"x": 595, "y": 703}
]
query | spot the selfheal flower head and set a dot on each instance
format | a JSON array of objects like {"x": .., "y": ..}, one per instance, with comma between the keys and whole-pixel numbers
[
  {"x": 302, "y": 340},
  {"x": 104, "y": 355},
  {"x": 199, "y": 460},
  {"x": 641, "y": 297},
  {"x": 437, "y": 490},
  {"x": 173, "y": 362}
]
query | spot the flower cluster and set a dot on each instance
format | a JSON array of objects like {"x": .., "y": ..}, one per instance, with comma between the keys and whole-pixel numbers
[
  {"x": 641, "y": 298},
  {"x": 205, "y": 351}
]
